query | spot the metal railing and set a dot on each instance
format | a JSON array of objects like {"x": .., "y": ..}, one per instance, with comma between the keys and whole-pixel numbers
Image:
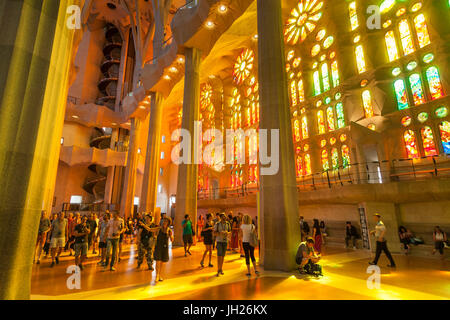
[
  {"x": 376, "y": 172},
  {"x": 91, "y": 207}
]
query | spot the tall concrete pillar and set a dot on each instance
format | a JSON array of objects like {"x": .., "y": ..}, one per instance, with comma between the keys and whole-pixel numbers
[
  {"x": 129, "y": 184},
  {"x": 280, "y": 234},
  {"x": 36, "y": 50},
  {"x": 186, "y": 202},
  {"x": 150, "y": 183}
]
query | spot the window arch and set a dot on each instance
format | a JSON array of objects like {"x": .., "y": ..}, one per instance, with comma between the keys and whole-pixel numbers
[
  {"x": 325, "y": 163},
  {"x": 444, "y": 128},
  {"x": 340, "y": 115},
  {"x": 345, "y": 156},
  {"x": 429, "y": 146},
  {"x": 320, "y": 122},
  {"x": 405, "y": 37},
  {"x": 335, "y": 158},
  {"x": 360, "y": 59},
  {"x": 317, "y": 87},
  {"x": 401, "y": 94},
  {"x": 420, "y": 25},
  {"x": 409, "y": 138},
  {"x": 299, "y": 165},
  {"x": 296, "y": 130},
  {"x": 367, "y": 104},
  {"x": 330, "y": 119},
  {"x": 391, "y": 46},
  {"x": 416, "y": 88},
  {"x": 307, "y": 165},
  {"x": 325, "y": 77},
  {"x": 434, "y": 83},
  {"x": 335, "y": 74},
  {"x": 305, "y": 133}
]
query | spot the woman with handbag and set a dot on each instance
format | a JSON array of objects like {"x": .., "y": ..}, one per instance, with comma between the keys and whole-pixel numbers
[
  {"x": 207, "y": 235},
  {"x": 249, "y": 242}
]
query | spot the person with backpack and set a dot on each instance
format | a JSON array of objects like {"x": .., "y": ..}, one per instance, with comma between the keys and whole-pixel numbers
[
  {"x": 248, "y": 235},
  {"x": 222, "y": 229},
  {"x": 307, "y": 259}
]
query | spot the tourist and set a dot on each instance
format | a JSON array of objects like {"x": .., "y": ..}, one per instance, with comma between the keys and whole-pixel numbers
[
  {"x": 439, "y": 238},
  {"x": 222, "y": 230},
  {"x": 92, "y": 225},
  {"x": 44, "y": 228},
  {"x": 130, "y": 230},
  {"x": 208, "y": 239},
  {"x": 162, "y": 248},
  {"x": 350, "y": 235},
  {"x": 58, "y": 241},
  {"x": 81, "y": 234},
  {"x": 71, "y": 228},
  {"x": 187, "y": 234},
  {"x": 147, "y": 241},
  {"x": 246, "y": 230},
  {"x": 304, "y": 228},
  {"x": 114, "y": 229},
  {"x": 317, "y": 236},
  {"x": 161, "y": 221},
  {"x": 70, "y": 225},
  {"x": 121, "y": 237},
  {"x": 323, "y": 231},
  {"x": 307, "y": 258},
  {"x": 235, "y": 228},
  {"x": 102, "y": 238},
  {"x": 379, "y": 232},
  {"x": 200, "y": 225},
  {"x": 405, "y": 238},
  {"x": 241, "y": 248}
]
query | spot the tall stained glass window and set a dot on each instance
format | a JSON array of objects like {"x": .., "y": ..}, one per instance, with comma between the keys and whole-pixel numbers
[
  {"x": 330, "y": 119},
  {"x": 335, "y": 158},
  {"x": 299, "y": 166},
  {"x": 317, "y": 88},
  {"x": 340, "y": 115},
  {"x": 416, "y": 89},
  {"x": 444, "y": 128},
  {"x": 428, "y": 142},
  {"x": 301, "y": 91},
  {"x": 293, "y": 88},
  {"x": 320, "y": 122},
  {"x": 434, "y": 83},
  {"x": 325, "y": 77},
  {"x": 353, "y": 15},
  {"x": 305, "y": 133},
  {"x": 360, "y": 60},
  {"x": 405, "y": 36},
  {"x": 297, "y": 130},
  {"x": 409, "y": 138},
  {"x": 335, "y": 74},
  {"x": 401, "y": 94},
  {"x": 325, "y": 163},
  {"x": 345, "y": 156},
  {"x": 391, "y": 46},
  {"x": 367, "y": 103},
  {"x": 423, "y": 36},
  {"x": 307, "y": 165}
]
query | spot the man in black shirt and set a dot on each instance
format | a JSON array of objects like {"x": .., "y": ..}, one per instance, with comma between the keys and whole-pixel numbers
[
  {"x": 350, "y": 234},
  {"x": 147, "y": 240},
  {"x": 81, "y": 233}
]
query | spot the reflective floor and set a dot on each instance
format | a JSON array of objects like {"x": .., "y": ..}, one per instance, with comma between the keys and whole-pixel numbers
[{"x": 345, "y": 277}]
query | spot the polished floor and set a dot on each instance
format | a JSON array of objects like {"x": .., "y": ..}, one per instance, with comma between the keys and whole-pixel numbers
[{"x": 345, "y": 278}]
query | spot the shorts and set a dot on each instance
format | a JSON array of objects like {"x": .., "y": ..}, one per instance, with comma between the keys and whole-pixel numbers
[
  {"x": 81, "y": 249},
  {"x": 221, "y": 249},
  {"x": 102, "y": 245},
  {"x": 187, "y": 239},
  {"x": 57, "y": 243}
]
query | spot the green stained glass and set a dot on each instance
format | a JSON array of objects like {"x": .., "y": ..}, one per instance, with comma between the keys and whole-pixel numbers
[
  {"x": 422, "y": 117},
  {"x": 441, "y": 112},
  {"x": 340, "y": 115},
  {"x": 428, "y": 58}
]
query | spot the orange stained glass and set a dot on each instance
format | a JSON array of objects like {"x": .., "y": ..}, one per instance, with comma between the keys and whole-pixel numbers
[
  {"x": 305, "y": 133},
  {"x": 429, "y": 146},
  {"x": 307, "y": 165},
  {"x": 293, "y": 88},
  {"x": 360, "y": 59},
  {"x": 353, "y": 15},
  {"x": 409, "y": 138},
  {"x": 301, "y": 91},
  {"x": 320, "y": 122},
  {"x": 325, "y": 162},
  {"x": 391, "y": 46},
  {"x": 405, "y": 36},
  {"x": 335, "y": 74},
  {"x": 302, "y": 20},
  {"x": 367, "y": 104},
  {"x": 243, "y": 66},
  {"x": 345, "y": 156},
  {"x": 299, "y": 166},
  {"x": 330, "y": 119},
  {"x": 296, "y": 130},
  {"x": 423, "y": 36}
]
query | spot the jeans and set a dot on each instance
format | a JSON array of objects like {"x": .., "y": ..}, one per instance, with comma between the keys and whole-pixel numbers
[
  {"x": 353, "y": 238},
  {"x": 249, "y": 253},
  {"x": 114, "y": 245},
  {"x": 382, "y": 246}
]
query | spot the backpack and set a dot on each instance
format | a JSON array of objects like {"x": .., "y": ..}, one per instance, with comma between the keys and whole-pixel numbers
[{"x": 253, "y": 241}]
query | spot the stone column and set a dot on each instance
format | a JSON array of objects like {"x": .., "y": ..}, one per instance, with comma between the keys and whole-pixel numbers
[
  {"x": 129, "y": 184},
  {"x": 151, "y": 173},
  {"x": 37, "y": 48},
  {"x": 280, "y": 233},
  {"x": 186, "y": 202}
]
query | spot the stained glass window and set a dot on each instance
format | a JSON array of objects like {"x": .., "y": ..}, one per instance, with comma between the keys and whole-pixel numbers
[
  {"x": 293, "y": 94},
  {"x": 330, "y": 119},
  {"x": 411, "y": 144},
  {"x": 320, "y": 122},
  {"x": 421, "y": 30},
  {"x": 307, "y": 164},
  {"x": 340, "y": 115},
  {"x": 441, "y": 112},
  {"x": 428, "y": 142},
  {"x": 325, "y": 78},
  {"x": 416, "y": 88},
  {"x": 444, "y": 127},
  {"x": 335, "y": 74},
  {"x": 299, "y": 166},
  {"x": 317, "y": 88},
  {"x": 305, "y": 134},
  {"x": 367, "y": 103},
  {"x": 353, "y": 15},
  {"x": 434, "y": 83},
  {"x": 335, "y": 158},
  {"x": 302, "y": 21},
  {"x": 297, "y": 130},
  {"x": 301, "y": 91},
  {"x": 345, "y": 156},
  {"x": 405, "y": 36},
  {"x": 243, "y": 66},
  {"x": 360, "y": 60},
  {"x": 391, "y": 46},
  {"x": 325, "y": 163},
  {"x": 401, "y": 94}
]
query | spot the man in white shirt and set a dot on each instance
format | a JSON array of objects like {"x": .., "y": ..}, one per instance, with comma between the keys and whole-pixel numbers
[
  {"x": 113, "y": 230},
  {"x": 379, "y": 232}
]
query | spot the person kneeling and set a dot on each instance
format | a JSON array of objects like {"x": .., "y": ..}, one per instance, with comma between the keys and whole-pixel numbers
[{"x": 307, "y": 259}]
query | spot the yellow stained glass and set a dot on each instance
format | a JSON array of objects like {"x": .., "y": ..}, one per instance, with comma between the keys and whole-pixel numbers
[
  {"x": 353, "y": 15},
  {"x": 305, "y": 133},
  {"x": 423, "y": 36},
  {"x": 405, "y": 36},
  {"x": 367, "y": 104},
  {"x": 301, "y": 91},
  {"x": 360, "y": 60},
  {"x": 320, "y": 122},
  {"x": 391, "y": 46}
]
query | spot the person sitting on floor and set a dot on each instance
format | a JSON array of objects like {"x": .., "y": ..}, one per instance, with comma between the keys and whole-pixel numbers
[{"x": 307, "y": 258}]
